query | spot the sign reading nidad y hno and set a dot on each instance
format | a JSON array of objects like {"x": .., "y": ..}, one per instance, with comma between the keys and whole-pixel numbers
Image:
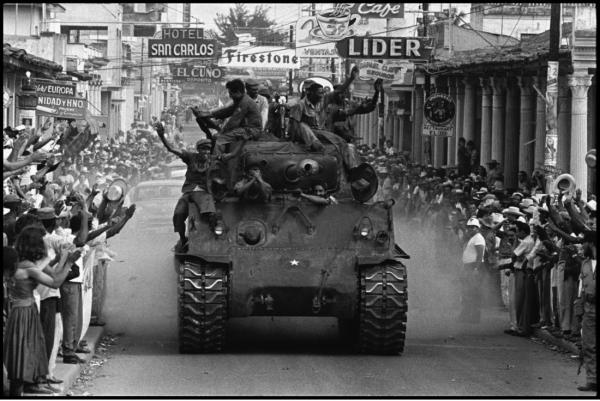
[{"x": 58, "y": 99}]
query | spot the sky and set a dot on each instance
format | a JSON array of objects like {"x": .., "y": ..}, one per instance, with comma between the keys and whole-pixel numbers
[{"x": 282, "y": 13}]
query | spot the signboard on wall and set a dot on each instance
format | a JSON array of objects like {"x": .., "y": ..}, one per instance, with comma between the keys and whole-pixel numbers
[
  {"x": 55, "y": 88},
  {"x": 59, "y": 99},
  {"x": 439, "y": 112},
  {"x": 374, "y": 10},
  {"x": 259, "y": 56},
  {"x": 190, "y": 72},
  {"x": 367, "y": 47}
]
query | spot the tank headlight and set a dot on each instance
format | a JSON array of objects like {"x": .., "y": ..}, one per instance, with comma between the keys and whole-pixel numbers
[
  {"x": 363, "y": 229},
  {"x": 364, "y": 232},
  {"x": 219, "y": 230}
]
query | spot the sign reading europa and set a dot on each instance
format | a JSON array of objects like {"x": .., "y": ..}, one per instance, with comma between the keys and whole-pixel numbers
[
  {"x": 366, "y": 47},
  {"x": 54, "y": 88}
]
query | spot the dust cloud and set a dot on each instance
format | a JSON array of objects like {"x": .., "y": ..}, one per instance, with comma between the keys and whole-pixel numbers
[{"x": 434, "y": 286}]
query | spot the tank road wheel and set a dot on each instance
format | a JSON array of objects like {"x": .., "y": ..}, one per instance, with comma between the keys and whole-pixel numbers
[
  {"x": 382, "y": 309},
  {"x": 203, "y": 292}
]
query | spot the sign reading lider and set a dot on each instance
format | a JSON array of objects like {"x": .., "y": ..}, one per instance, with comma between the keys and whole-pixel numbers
[
  {"x": 182, "y": 48},
  {"x": 385, "y": 48},
  {"x": 62, "y": 107},
  {"x": 439, "y": 111}
]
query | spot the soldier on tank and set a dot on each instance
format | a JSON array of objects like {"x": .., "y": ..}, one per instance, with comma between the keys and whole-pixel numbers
[
  {"x": 319, "y": 196},
  {"x": 252, "y": 187},
  {"x": 306, "y": 126},
  {"x": 201, "y": 167},
  {"x": 245, "y": 121}
]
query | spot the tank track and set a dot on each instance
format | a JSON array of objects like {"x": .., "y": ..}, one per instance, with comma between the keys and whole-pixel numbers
[
  {"x": 382, "y": 309},
  {"x": 203, "y": 296}
]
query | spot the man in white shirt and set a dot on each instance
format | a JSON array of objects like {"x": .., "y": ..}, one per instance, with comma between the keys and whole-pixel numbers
[
  {"x": 523, "y": 249},
  {"x": 471, "y": 275}
]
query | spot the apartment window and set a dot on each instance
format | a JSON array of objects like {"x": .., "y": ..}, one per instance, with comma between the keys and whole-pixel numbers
[{"x": 139, "y": 7}]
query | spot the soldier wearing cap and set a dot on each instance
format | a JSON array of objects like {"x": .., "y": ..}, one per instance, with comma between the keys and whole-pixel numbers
[
  {"x": 586, "y": 310},
  {"x": 202, "y": 166},
  {"x": 252, "y": 89},
  {"x": 245, "y": 120},
  {"x": 252, "y": 187}
]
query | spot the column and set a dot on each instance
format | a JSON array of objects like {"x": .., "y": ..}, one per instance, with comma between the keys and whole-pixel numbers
[
  {"x": 437, "y": 143},
  {"x": 417, "y": 131},
  {"x": 460, "y": 107},
  {"x": 486, "y": 121},
  {"x": 511, "y": 135},
  {"x": 563, "y": 153},
  {"x": 592, "y": 142},
  {"x": 526, "y": 126},
  {"x": 579, "y": 85},
  {"x": 451, "y": 151},
  {"x": 468, "y": 123},
  {"x": 540, "y": 123},
  {"x": 498, "y": 99}
]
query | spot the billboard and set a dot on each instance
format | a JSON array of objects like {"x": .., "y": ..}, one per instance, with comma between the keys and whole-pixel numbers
[
  {"x": 58, "y": 99},
  {"x": 259, "y": 57},
  {"x": 439, "y": 111},
  {"x": 366, "y": 47}
]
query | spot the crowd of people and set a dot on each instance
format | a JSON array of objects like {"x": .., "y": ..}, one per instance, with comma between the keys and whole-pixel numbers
[
  {"x": 532, "y": 248},
  {"x": 65, "y": 194}
]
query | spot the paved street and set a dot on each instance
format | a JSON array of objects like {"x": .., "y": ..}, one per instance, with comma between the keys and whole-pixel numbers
[{"x": 302, "y": 356}]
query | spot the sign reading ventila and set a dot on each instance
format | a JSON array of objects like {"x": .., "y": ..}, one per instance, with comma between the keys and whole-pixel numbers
[{"x": 366, "y": 47}]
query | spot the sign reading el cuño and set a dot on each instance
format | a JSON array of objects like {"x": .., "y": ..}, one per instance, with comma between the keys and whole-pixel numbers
[
  {"x": 366, "y": 47},
  {"x": 439, "y": 111},
  {"x": 375, "y": 10},
  {"x": 195, "y": 73}
]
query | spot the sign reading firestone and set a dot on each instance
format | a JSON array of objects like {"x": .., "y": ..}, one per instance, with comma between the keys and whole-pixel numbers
[{"x": 366, "y": 47}]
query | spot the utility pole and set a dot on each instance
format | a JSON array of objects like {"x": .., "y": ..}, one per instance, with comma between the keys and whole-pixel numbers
[
  {"x": 551, "y": 148},
  {"x": 142, "y": 82},
  {"x": 291, "y": 71}
]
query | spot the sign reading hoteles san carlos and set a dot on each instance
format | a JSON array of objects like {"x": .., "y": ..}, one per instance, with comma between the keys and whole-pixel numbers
[
  {"x": 439, "y": 111},
  {"x": 58, "y": 99},
  {"x": 182, "y": 43},
  {"x": 369, "y": 47}
]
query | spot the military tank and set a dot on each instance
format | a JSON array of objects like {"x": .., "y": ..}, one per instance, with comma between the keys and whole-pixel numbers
[{"x": 291, "y": 257}]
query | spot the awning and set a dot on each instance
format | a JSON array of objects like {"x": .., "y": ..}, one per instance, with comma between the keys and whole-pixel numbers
[{"x": 20, "y": 59}]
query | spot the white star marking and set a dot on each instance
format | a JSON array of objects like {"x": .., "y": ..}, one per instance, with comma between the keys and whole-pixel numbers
[{"x": 294, "y": 262}]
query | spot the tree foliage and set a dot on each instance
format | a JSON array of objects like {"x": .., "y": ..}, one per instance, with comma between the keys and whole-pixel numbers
[{"x": 241, "y": 20}]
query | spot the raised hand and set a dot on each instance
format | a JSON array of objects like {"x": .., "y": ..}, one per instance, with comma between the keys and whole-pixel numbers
[
  {"x": 159, "y": 128},
  {"x": 378, "y": 85},
  {"x": 39, "y": 156},
  {"x": 354, "y": 72}
]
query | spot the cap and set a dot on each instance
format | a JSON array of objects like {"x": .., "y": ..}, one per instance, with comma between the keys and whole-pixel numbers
[
  {"x": 473, "y": 221},
  {"x": 204, "y": 143},
  {"x": 518, "y": 194},
  {"x": 525, "y": 203},
  {"x": 251, "y": 83},
  {"x": 512, "y": 210},
  {"x": 11, "y": 198},
  {"x": 46, "y": 213},
  {"x": 19, "y": 128}
]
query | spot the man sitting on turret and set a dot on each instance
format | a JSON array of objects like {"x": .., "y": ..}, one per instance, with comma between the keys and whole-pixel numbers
[
  {"x": 201, "y": 166},
  {"x": 245, "y": 121},
  {"x": 252, "y": 187}
]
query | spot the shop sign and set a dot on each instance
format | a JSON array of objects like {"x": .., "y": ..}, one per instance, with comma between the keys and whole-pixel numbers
[
  {"x": 439, "y": 111},
  {"x": 54, "y": 88},
  {"x": 374, "y": 10},
  {"x": 369, "y": 70},
  {"x": 181, "y": 48},
  {"x": 61, "y": 107},
  {"x": 366, "y": 47},
  {"x": 320, "y": 32},
  {"x": 196, "y": 73},
  {"x": 259, "y": 56}
]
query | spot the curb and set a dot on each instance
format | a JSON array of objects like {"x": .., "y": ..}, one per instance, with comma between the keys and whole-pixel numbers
[
  {"x": 67, "y": 372},
  {"x": 559, "y": 342}
]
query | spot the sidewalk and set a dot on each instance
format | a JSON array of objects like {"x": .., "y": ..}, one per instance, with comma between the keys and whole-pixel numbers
[
  {"x": 67, "y": 372},
  {"x": 561, "y": 343}
]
